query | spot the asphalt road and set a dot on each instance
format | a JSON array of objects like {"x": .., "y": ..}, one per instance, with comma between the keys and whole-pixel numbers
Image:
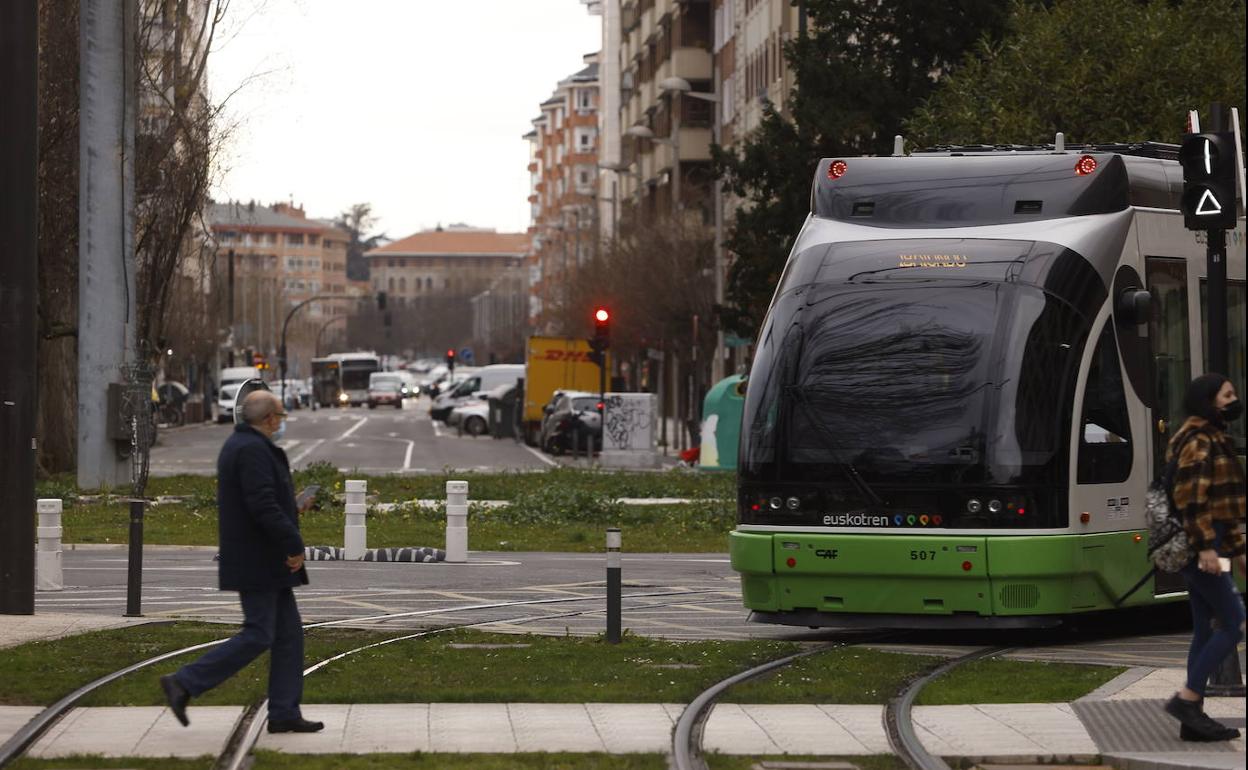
[
  {"x": 376, "y": 441},
  {"x": 181, "y": 583}
]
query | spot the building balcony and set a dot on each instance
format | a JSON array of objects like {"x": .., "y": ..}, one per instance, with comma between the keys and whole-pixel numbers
[{"x": 691, "y": 64}]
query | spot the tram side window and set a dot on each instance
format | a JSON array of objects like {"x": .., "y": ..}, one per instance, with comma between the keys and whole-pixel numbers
[
  {"x": 1235, "y": 302},
  {"x": 1105, "y": 435}
]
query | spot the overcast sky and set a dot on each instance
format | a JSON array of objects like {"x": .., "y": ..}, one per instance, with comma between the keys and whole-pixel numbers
[{"x": 415, "y": 106}]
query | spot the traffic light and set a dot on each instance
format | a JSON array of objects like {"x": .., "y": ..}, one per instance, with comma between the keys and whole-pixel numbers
[
  {"x": 1208, "y": 161},
  {"x": 602, "y": 330},
  {"x": 450, "y": 359}
]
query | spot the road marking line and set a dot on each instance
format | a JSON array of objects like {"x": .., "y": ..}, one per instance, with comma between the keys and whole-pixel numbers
[
  {"x": 353, "y": 429},
  {"x": 289, "y": 444},
  {"x": 539, "y": 455},
  {"x": 407, "y": 458},
  {"x": 303, "y": 455},
  {"x": 437, "y": 431}
]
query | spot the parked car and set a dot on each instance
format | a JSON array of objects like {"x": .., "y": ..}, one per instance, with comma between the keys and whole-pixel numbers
[
  {"x": 477, "y": 381},
  {"x": 572, "y": 420},
  {"x": 385, "y": 389},
  {"x": 411, "y": 388},
  {"x": 472, "y": 417},
  {"x": 227, "y": 383}
]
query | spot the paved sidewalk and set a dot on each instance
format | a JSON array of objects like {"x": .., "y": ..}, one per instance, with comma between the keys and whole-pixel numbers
[
  {"x": 19, "y": 629},
  {"x": 1036, "y": 732}
]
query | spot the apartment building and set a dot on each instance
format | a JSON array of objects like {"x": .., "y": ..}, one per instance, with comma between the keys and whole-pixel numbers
[
  {"x": 430, "y": 279},
  {"x": 563, "y": 168},
  {"x": 281, "y": 257},
  {"x": 749, "y": 60}
]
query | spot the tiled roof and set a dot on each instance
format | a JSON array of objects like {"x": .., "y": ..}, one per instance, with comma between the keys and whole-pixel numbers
[
  {"x": 588, "y": 74},
  {"x": 253, "y": 215},
  {"x": 455, "y": 242}
]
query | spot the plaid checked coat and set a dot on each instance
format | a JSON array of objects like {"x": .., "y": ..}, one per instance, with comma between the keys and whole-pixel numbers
[{"x": 1208, "y": 487}]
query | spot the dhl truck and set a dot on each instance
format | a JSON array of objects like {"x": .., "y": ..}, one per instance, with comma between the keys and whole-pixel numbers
[{"x": 554, "y": 363}]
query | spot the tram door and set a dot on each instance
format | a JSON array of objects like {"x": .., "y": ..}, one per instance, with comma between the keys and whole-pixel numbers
[{"x": 1168, "y": 331}]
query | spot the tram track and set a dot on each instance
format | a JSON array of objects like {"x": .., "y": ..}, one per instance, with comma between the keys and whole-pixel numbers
[
  {"x": 21, "y": 741},
  {"x": 898, "y": 715}
]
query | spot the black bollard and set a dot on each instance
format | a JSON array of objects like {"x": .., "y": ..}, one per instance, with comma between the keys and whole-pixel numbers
[
  {"x": 613, "y": 585},
  {"x": 134, "y": 576}
]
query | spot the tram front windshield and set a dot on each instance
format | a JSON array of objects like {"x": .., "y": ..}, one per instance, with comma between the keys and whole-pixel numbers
[{"x": 902, "y": 377}]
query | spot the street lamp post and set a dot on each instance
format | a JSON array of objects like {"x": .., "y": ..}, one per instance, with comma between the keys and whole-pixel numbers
[{"x": 281, "y": 354}]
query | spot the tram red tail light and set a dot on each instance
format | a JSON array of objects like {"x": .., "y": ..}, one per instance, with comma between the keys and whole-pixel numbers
[
  {"x": 791, "y": 561},
  {"x": 966, "y": 566},
  {"x": 1138, "y": 538},
  {"x": 1085, "y": 517},
  {"x": 837, "y": 169},
  {"x": 1085, "y": 165}
]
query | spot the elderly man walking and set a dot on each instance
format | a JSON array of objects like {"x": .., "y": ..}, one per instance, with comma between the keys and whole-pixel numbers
[{"x": 261, "y": 557}]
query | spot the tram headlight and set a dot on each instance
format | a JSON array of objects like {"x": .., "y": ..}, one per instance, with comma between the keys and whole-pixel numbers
[
  {"x": 994, "y": 506},
  {"x": 793, "y": 503},
  {"x": 974, "y": 506},
  {"x": 775, "y": 503}
]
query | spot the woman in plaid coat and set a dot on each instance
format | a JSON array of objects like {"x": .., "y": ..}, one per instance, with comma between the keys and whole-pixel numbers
[{"x": 1209, "y": 496}]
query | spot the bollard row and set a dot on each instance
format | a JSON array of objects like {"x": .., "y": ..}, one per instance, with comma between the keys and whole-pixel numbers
[
  {"x": 457, "y": 521},
  {"x": 49, "y": 575},
  {"x": 355, "y": 532}
]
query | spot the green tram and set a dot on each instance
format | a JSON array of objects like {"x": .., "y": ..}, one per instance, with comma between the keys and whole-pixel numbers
[{"x": 965, "y": 382}]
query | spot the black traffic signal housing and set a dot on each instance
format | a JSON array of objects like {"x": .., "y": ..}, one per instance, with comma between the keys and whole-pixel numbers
[
  {"x": 450, "y": 359},
  {"x": 602, "y": 332},
  {"x": 1209, "y": 172}
]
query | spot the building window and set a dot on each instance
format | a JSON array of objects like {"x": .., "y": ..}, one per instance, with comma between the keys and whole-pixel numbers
[
  {"x": 429, "y": 283},
  {"x": 584, "y": 99},
  {"x": 294, "y": 239},
  {"x": 1105, "y": 443},
  {"x": 313, "y": 240},
  {"x": 402, "y": 285},
  {"x": 391, "y": 284},
  {"x": 270, "y": 238},
  {"x": 228, "y": 236}
]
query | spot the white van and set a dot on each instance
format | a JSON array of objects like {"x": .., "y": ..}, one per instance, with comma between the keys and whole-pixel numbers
[
  {"x": 227, "y": 387},
  {"x": 485, "y": 378}
]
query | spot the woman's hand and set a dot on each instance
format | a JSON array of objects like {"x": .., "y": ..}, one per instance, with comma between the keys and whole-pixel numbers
[{"x": 1207, "y": 561}]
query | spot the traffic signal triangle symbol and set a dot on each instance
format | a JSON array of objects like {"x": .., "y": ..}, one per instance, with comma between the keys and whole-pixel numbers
[{"x": 1208, "y": 205}]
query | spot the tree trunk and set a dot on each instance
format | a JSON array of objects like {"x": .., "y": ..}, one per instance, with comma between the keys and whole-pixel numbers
[{"x": 57, "y": 426}]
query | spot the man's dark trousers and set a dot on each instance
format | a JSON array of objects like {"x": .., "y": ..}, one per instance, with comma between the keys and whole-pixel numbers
[{"x": 270, "y": 622}]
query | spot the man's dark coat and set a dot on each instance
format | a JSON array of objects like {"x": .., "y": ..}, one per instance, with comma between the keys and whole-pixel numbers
[{"x": 258, "y": 522}]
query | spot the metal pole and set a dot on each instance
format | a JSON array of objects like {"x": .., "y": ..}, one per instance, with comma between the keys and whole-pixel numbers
[
  {"x": 676, "y": 105},
  {"x": 717, "y": 365},
  {"x": 134, "y": 566},
  {"x": 282, "y": 350},
  {"x": 1215, "y": 250},
  {"x": 19, "y": 290},
  {"x": 614, "y": 584},
  {"x": 106, "y": 268}
]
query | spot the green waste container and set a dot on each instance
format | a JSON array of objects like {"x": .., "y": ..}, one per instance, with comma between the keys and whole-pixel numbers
[{"x": 721, "y": 424}]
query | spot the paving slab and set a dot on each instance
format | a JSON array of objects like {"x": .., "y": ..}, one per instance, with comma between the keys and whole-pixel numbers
[
  {"x": 554, "y": 727},
  {"x": 1055, "y": 727},
  {"x": 632, "y": 728},
  {"x": 1135, "y": 726},
  {"x": 1183, "y": 760},
  {"x": 138, "y": 731},
  {"x": 864, "y": 722},
  {"x": 471, "y": 727},
  {"x": 42, "y": 626},
  {"x": 805, "y": 729},
  {"x": 732, "y": 730},
  {"x": 968, "y": 731}
]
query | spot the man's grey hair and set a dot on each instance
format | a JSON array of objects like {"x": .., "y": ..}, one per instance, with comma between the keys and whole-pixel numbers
[{"x": 259, "y": 406}]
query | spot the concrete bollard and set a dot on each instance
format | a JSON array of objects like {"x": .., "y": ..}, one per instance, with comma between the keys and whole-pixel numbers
[
  {"x": 48, "y": 573},
  {"x": 614, "y": 584},
  {"x": 457, "y": 521},
  {"x": 355, "y": 532}
]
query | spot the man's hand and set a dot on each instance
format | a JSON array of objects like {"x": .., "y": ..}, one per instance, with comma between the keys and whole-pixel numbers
[
  {"x": 295, "y": 562},
  {"x": 1207, "y": 561}
]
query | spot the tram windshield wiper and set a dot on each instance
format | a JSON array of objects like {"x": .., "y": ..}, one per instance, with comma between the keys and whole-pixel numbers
[{"x": 798, "y": 396}]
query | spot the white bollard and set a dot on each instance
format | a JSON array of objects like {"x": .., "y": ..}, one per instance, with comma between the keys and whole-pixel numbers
[
  {"x": 355, "y": 532},
  {"x": 48, "y": 573},
  {"x": 457, "y": 521}
]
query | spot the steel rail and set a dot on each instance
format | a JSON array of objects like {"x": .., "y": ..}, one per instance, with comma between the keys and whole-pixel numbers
[
  {"x": 247, "y": 731},
  {"x": 687, "y": 734},
  {"x": 21, "y": 740},
  {"x": 899, "y": 718}
]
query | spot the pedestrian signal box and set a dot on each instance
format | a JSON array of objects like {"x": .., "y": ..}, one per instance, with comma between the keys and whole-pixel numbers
[{"x": 1209, "y": 173}]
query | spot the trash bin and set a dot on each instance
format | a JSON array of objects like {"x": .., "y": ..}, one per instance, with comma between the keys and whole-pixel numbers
[
  {"x": 721, "y": 424},
  {"x": 503, "y": 402}
]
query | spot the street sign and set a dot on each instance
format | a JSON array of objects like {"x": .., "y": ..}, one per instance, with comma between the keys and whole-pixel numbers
[
  {"x": 465, "y": 355},
  {"x": 1208, "y": 161}
]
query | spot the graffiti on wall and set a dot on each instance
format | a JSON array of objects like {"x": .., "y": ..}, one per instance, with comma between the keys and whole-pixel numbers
[{"x": 629, "y": 421}]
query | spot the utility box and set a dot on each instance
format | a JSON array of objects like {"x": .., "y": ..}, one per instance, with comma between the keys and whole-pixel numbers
[
  {"x": 504, "y": 401},
  {"x": 628, "y": 434},
  {"x": 721, "y": 424}
]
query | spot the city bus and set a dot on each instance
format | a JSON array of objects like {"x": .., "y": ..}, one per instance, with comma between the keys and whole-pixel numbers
[
  {"x": 964, "y": 384},
  {"x": 341, "y": 379}
]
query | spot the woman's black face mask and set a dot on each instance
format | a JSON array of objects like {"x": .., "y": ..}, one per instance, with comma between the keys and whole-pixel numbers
[{"x": 1232, "y": 411}]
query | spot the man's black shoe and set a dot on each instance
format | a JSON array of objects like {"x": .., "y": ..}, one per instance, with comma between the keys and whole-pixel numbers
[
  {"x": 177, "y": 696},
  {"x": 295, "y": 726}
]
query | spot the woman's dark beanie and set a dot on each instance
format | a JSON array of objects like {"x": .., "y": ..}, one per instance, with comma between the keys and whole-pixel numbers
[{"x": 1198, "y": 401}]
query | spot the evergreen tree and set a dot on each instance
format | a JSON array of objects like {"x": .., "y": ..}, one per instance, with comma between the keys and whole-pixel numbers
[
  {"x": 1097, "y": 70},
  {"x": 864, "y": 67}
]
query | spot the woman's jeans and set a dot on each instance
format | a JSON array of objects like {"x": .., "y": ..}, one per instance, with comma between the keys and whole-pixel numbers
[{"x": 1211, "y": 596}]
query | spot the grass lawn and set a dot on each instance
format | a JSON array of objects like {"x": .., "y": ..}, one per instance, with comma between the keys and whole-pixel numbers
[
  {"x": 563, "y": 509},
  {"x": 529, "y": 669},
  {"x": 997, "y": 680}
]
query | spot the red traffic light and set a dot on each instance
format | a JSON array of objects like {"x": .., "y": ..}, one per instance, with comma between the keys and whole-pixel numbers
[
  {"x": 450, "y": 354},
  {"x": 602, "y": 315}
]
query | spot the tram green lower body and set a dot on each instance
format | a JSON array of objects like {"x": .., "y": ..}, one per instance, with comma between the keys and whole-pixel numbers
[{"x": 995, "y": 576}]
